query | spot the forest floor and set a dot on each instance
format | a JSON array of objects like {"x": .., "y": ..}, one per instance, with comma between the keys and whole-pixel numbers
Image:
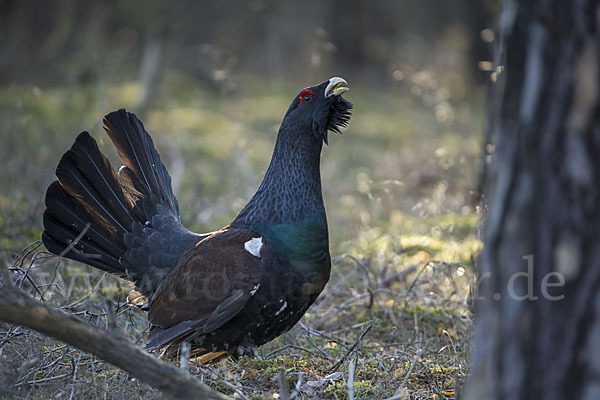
[{"x": 395, "y": 319}]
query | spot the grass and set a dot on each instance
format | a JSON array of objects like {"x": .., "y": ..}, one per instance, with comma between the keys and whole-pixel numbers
[
  {"x": 404, "y": 235},
  {"x": 418, "y": 340}
]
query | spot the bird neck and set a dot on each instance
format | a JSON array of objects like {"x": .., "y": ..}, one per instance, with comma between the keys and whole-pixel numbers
[{"x": 291, "y": 189}]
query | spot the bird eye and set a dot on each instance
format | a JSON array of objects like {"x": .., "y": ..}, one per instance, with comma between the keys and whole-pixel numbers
[{"x": 306, "y": 95}]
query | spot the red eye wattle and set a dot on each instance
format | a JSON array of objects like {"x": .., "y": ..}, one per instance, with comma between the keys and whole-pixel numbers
[{"x": 306, "y": 95}]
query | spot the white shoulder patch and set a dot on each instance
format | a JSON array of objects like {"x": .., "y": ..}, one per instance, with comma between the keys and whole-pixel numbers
[{"x": 253, "y": 246}]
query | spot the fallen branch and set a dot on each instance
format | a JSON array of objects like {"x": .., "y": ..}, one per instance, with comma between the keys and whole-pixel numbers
[{"x": 19, "y": 308}]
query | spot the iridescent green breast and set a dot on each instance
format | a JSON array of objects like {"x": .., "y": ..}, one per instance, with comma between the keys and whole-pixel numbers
[{"x": 304, "y": 242}]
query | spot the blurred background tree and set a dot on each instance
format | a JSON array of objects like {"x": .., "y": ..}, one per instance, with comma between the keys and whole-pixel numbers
[{"x": 73, "y": 42}]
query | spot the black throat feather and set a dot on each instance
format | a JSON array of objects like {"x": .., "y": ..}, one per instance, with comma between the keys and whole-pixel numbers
[
  {"x": 339, "y": 114},
  {"x": 291, "y": 188}
]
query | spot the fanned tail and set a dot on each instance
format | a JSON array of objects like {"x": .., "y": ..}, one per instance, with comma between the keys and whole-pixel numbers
[
  {"x": 131, "y": 219},
  {"x": 87, "y": 192},
  {"x": 142, "y": 170}
]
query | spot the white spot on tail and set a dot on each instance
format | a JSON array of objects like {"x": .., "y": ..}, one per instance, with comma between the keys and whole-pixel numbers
[
  {"x": 282, "y": 308},
  {"x": 253, "y": 246},
  {"x": 255, "y": 288}
]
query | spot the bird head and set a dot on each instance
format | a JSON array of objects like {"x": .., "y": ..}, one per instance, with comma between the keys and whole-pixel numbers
[{"x": 321, "y": 108}]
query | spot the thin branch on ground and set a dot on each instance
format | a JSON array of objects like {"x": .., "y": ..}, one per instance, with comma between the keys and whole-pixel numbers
[
  {"x": 19, "y": 308},
  {"x": 354, "y": 346}
]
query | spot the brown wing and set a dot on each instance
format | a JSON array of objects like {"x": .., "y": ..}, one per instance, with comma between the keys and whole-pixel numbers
[{"x": 207, "y": 288}]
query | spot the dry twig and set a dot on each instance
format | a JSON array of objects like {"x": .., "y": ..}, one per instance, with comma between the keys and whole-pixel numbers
[
  {"x": 19, "y": 308},
  {"x": 354, "y": 346}
]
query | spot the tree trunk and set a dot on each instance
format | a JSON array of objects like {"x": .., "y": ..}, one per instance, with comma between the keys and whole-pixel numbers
[{"x": 537, "y": 333}]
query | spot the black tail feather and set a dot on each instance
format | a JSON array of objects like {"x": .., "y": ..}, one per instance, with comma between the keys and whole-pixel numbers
[
  {"x": 84, "y": 250},
  {"x": 78, "y": 186},
  {"x": 97, "y": 169},
  {"x": 136, "y": 149},
  {"x": 133, "y": 216},
  {"x": 87, "y": 191},
  {"x": 63, "y": 208}
]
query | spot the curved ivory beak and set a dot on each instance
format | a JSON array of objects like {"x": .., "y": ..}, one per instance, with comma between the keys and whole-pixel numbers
[{"x": 336, "y": 87}]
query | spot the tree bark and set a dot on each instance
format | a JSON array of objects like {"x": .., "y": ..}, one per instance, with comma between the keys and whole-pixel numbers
[
  {"x": 537, "y": 331},
  {"x": 19, "y": 308}
]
